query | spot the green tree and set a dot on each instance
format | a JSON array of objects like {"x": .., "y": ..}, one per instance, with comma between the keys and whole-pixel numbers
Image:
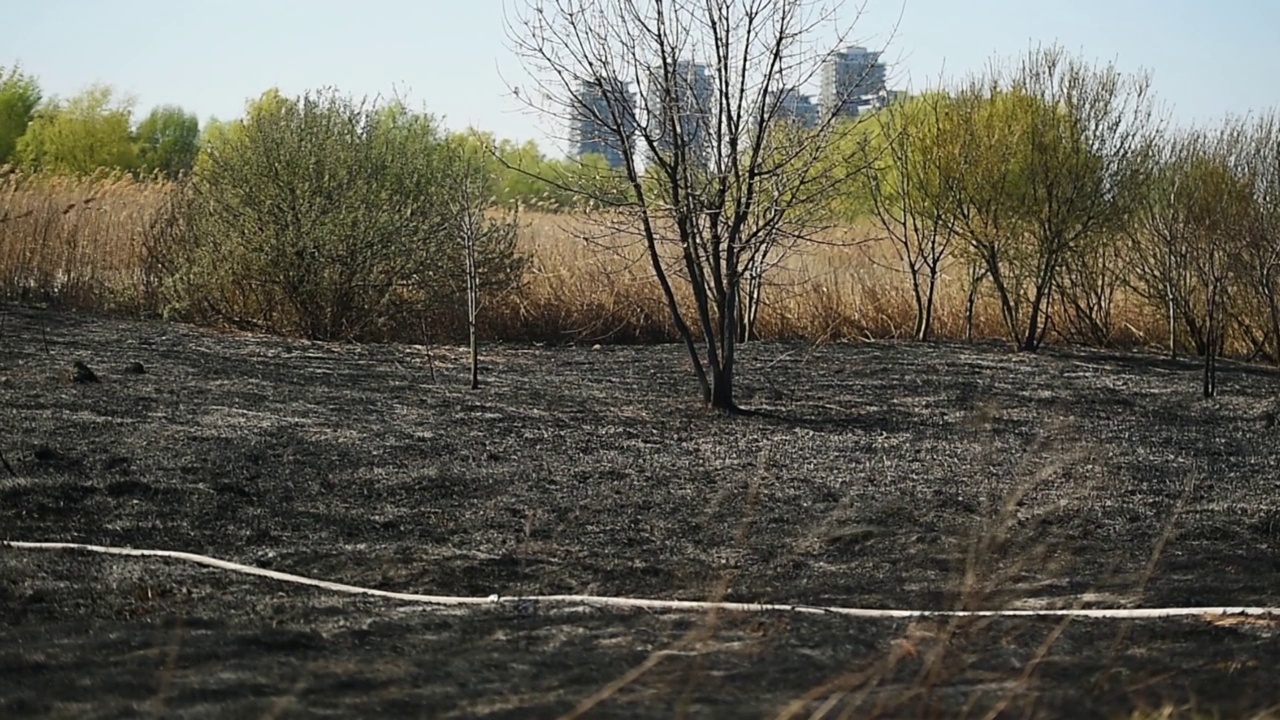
[
  {"x": 219, "y": 135},
  {"x": 214, "y": 134},
  {"x": 1053, "y": 155},
  {"x": 1257, "y": 265},
  {"x": 91, "y": 131},
  {"x": 19, "y": 98},
  {"x": 852, "y": 204},
  {"x": 909, "y": 156},
  {"x": 168, "y": 141},
  {"x": 1215, "y": 204},
  {"x": 529, "y": 179},
  {"x": 598, "y": 184},
  {"x": 1158, "y": 249}
]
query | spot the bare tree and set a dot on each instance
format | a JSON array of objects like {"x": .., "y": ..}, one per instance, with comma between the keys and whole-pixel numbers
[
  {"x": 1258, "y": 262},
  {"x": 689, "y": 95},
  {"x": 482, "y": 237},
  {"x": 1210, "y": 265},
  {"x": 1158, "y": 243},
  {"x": 1216, "y": 201}
]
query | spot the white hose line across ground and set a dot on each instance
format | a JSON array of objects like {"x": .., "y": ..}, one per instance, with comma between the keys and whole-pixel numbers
[{"x": 618, "y": 602}]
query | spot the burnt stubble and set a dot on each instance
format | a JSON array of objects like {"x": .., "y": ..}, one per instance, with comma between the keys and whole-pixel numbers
[{"x": 931, "y": 476}]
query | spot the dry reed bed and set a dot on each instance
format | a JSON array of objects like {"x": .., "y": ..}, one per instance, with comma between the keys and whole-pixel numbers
[
  {"x": 83, "y": 243},
  {"x": 78, "y": 242}
]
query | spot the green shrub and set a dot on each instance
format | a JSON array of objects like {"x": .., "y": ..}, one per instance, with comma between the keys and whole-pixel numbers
[{"x": 324, "y": 217}]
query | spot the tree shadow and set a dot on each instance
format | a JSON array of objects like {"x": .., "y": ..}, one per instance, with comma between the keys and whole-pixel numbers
[
  {"x": 1146, "y": 361},
  {"x": 820, "y": 419}
]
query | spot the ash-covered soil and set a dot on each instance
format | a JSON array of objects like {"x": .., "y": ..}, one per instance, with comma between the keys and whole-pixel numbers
[{"x": 936, "y": 476}]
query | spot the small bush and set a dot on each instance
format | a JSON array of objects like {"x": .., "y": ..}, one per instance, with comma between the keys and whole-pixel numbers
[{"x": 323, "y": 217}]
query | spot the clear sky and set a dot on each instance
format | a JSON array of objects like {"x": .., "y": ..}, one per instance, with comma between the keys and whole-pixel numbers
[{"x": 451, "y": 56}]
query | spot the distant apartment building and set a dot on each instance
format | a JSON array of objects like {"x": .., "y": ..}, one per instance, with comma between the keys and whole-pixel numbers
[
  {"x": 605, "y": 121},
  {"x": 684, "y": 104},
  {"x": 852, "y": 78},
  {"x": 794, "y": 106},
  {"x": 889, "y": 97}
]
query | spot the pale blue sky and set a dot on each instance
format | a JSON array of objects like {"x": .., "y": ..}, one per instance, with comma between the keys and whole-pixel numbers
[{"x": 1207, "y": 58}]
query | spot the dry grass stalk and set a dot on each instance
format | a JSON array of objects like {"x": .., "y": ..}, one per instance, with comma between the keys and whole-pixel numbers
[
  {"x": 76, "y": 242},
  {"x": 82, "y": 243}
]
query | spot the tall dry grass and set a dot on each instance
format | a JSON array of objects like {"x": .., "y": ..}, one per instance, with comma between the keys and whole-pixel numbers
[
  {"x": 78, "y": 242},
  {"x": 587, "y": 284},
  {"x": 94, "y": 244}
]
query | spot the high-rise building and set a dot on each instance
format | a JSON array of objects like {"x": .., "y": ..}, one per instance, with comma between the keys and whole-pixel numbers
[
  {"x": 794, "y": 106},
  {"x": 605, "y": 121},
  {"x": 686, "y": 104},
  {"x": 889, "y": 97},
  {"x": 851, "y": 79}
]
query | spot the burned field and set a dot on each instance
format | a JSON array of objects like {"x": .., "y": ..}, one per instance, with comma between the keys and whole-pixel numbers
[{"x": 882, "y": 475}]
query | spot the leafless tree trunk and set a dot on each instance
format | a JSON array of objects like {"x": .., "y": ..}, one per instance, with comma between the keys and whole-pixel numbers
[
  {"x": 976, "y": 274},
  {"x": 470, "y": 201},
  {"x": 753, "y": 297},
  {"x": 473, "y": 306},
  {"x": 692, "y": 96}
]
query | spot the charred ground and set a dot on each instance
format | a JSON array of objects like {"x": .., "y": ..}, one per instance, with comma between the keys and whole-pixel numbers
[{"x": 873, "y": 475}]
